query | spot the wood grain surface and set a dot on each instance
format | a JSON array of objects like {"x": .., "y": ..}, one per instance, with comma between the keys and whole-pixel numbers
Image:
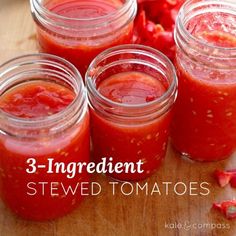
[{"x": 118, "y": 214}]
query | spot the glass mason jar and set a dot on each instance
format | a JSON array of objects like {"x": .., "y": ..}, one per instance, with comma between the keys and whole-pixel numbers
[
  {"x": 204, "y": 123},
  {"x": 126, "y": 128},
  {"x": 80, "y": 30},
  {"x": 27, "y": 142}
]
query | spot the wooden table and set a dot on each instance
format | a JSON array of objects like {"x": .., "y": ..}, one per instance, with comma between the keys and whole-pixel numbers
[{"x": 121, "y": 215}]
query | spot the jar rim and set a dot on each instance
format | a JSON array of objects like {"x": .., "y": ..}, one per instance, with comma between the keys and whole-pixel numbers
[
  {"x": 192, "y": 4},
  {"x": 36, "y": 5},
  {"x": 145, "y": 50},
  {"x": 141, "y": 48},
  {"x": 45, "y": 59}
]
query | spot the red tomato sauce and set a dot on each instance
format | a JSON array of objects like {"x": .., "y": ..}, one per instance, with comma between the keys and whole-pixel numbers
[
  {"x": 131, "y": 143},
  {"x": 131, "y": 89},
  {"x": 74, "y": 46},
  {"x": 204, "y": 124},
  {"x": 32, "y": 100}
]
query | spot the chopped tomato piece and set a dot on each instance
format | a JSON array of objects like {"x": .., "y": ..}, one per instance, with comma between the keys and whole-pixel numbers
[
  {"x": 228, "y": 208},
  {"x": 226, "y": 177},
  {"x": 155, "y": 23}
]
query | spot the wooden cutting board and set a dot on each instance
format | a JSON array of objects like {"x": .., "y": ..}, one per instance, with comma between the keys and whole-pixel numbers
[{"x": 159, "y": 214}]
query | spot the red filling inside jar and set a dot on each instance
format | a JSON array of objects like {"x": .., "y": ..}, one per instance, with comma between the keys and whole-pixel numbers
[{"x": 146, "y": 141}]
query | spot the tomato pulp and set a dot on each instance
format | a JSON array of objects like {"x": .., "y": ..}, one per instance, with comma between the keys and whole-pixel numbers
[
  {"x": 77, "y": 41},
  {"x": 33, "y": 100},
  {"x": 204, "y": 123},
  {"x": 146, "y": 141}
]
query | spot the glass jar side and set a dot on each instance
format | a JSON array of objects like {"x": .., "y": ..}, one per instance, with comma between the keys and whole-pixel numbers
[
  {"x": 79, "y": 40},
  {"x": 203, "y": 127},
  {"x": 25, "y": 143},
  {"x": 127, "y": 132}
]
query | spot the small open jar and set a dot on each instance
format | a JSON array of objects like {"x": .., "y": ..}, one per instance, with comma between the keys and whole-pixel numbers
[
  {"x": 43, "y": 114},
  {"x": 131, "y": 90},
  {"x": 204, "y": 123},
  {"x": 80, "y": 30}
]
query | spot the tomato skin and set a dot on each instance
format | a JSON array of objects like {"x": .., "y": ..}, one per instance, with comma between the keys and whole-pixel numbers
[
  {"x": 155, "y": 23},
  {"x": 225, "y": 177},
  {"x": 165, "y": 42}
]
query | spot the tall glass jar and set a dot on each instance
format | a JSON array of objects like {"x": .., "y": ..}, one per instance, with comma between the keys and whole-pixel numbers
[
  {"x": 80, "y": 30},
  {"x": 32, "y": 89},
  {"x": 131, "y": 90},
  {"x": 204, "y": 124}
]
